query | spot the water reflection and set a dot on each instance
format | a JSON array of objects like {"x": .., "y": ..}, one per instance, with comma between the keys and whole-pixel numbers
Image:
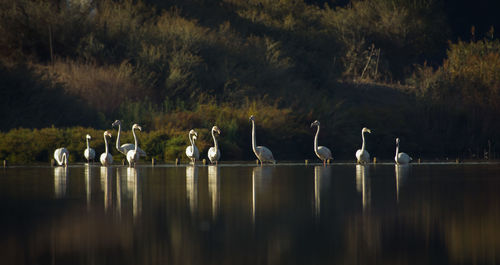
[
  {"x": 363, "y": 184},
  {"x": 261, "y": 179},
  {"x": 321, "y": 180},
  {"x": 213, "y": 189},
  {"x": 192, "y": 188},
  {"x": 107, "y": 187},
  {"x": 133, "y": 189},
  {"x": 88, "y": 185},
  {"x": 402, "y": 172},
  {"x": 60, "y": 179},
  {"x": 118, "y": 193},
  {"x": 446, "y": 215}
]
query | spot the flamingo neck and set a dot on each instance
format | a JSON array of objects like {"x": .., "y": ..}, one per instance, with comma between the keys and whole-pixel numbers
[
  {"x": 88, "y": 146},
  {"x": 397, "y": 151},
  {"x": 135, "y": 140},
  {"x": 64, "y": 159},
  {"x": 254, "y": 144},
  {"x": 192, "y": 142},
  {"x": 215, "y": 140},
  {"x": 105, "y": 145},
  {"x": 363, "y": 137},
  {"x": 316, "y": 141},
  {"x": 118, "y": 137}
]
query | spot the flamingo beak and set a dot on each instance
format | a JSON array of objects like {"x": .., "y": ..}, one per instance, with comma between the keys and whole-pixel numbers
[{"x": 139, "y": 128}]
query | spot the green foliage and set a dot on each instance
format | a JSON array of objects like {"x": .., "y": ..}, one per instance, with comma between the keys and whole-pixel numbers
[{"x": 176, "y": 65}]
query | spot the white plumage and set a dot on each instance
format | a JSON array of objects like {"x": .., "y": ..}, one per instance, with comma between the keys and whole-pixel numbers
[
  {"x": 133, "y": 155},
  {"x": 106, "y": 158},
  {"x": 89, "y": 153},
  {"x": 322, "y": 152},
  {"x": 61, "y": 155},
  {"x": 124, "y": 148},
  {"x": 214, "y": 151},
  {"x": 261, "y": 152},
  {"x": 192, "y": 151},
  {"x": 362, "y": 155},
  {"x": 401, "y": 158}
]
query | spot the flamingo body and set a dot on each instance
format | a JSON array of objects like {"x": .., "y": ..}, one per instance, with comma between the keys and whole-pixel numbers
[
  {"x": 61, "y": 156},
  {"x": 362, "y": 155},
  {"x": 133, "y": 155},
  {"x": 214, "y": 151},
  {"x": 261, "y": 152},
  {"x": 322, "y": 152},
  {"x": 401, "y": 158},
  {"x": 106, "y": 158},
  {"x": 192, "y": 151},
  {"x": 213, "y": 154},
  {"x": 125, "y": 148}
]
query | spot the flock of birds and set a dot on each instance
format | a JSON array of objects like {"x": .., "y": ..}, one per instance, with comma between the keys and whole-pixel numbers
[{"x": 263, "y": 154}]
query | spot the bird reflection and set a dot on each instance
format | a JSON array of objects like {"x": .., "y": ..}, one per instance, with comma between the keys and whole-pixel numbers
[
  {"x": 192, "y": 188},
  {"x": 60, "y": 179},
  {"x": 402, "y": 172},
  {"x": 134, "y": 189},
  {"x": 213, "y": 188},
  {"x": 88, "y": 185},
  {"x": 321, "y": 179},
  {"x": 363, "y": 183},
  {"x": 261, "y": 176},
  {"x": 118, "y": 193},
  {"x": 107, "y": 186}
]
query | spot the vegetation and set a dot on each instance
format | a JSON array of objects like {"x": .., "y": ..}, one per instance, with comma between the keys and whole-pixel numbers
[{"x": 394, "y": 66}]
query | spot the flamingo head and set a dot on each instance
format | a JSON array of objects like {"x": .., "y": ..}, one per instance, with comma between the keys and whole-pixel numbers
[
  {"x": 397, "y": 140},
  {"x": 116, "y": 123},
  {"x": 315, "y": 123},
  {"x": 216, "y": 129},
  {"x": 88, "y": 137},
  {"x": 366, "y": 130},
  {"x": 136, "y": 126},
  {"x": 193, "y": 132},
  {"x": 252, "y": 118},
  {"x": 107, "y": 133}
]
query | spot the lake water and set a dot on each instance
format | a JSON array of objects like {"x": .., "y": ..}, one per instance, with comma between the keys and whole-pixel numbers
[{"x": 244, "y": 214}]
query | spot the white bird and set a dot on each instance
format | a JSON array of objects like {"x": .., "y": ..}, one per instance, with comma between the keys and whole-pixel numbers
[
  {"x": 322, "y": 152},
  {"x": 124, "y": 148},
  {"x": 214, "y": 151},
  {"x": 133, "y": 155},
  {"x": 261, "y": 152},
  {"x": 61, "y": 155},
  {"x": 192, "y": 151},
  {"x": 89, "y": 153},
  {"x": 362, "y": 155},
  {"x": 106, "y": 157},
  {"x": 401, "y": 158}
]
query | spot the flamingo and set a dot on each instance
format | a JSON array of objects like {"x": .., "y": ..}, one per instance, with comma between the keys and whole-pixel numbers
[
  {"x": 89, "y": 153},
  {"x": 124, "y": 148},
  {"x": 401, "y": 158},
  {"x": 133, "y": 155},
  {"x": 192, "y": 151},
  {"x": 322, "y": 152},
  {"x": 61, "y": 156},
  {"x": 214, "y": 152},
  {"x": 106, "y": 157},
  {"x": 362, "y": 155},
  {"x": 261, "y": 152}
]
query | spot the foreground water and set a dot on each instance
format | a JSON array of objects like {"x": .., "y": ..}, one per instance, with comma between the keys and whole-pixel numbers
[{"x": 242, "y": 214}]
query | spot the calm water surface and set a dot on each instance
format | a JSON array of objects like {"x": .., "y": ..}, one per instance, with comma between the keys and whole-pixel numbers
[{"x": 242, "y": 214}]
